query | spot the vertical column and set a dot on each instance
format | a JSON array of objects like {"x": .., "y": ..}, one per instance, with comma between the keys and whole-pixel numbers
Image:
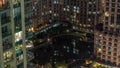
[
  {"x": 13, "y": 32},
  {"x": 1, "y": 47},
  {"x": 23, "y": 34}
]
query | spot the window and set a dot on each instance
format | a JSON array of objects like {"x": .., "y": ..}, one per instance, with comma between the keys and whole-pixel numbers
[
  {"x": 113, "y": 4},
  {"x": 110, "y": 39},
  {"x": 118, "y": 19},
  {"x": 107, "y": 4},
  {"x": 118, "y": 5},
  {"x": 106, "y": 18},
  {"x": 115, "y": 54},
  {"x": 118, "y": 10},
  {"x": 115, "y": 45},
  {"x": 109, "y": 48},
  {"x": 115, "y": 49},
  {"x": 113, "y": 0},
  {"x": 112, "y": 18},
  {"x": 115, "y": 40},
  {"x": 106, "y": 23},
  {"x": 109, "y": 53},
  {"x": 109, "y": 57},
  {"x": 113, "y": 9},
  {"x": 55, "y": 1},
  {"x": 107, "y": 8},
  {"x": 4, "y": 30}
]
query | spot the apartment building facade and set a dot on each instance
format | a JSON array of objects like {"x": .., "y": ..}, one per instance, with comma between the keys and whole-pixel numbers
[
  {"x": 13, "y": 48},
  {"x": 107, "y": 41}
]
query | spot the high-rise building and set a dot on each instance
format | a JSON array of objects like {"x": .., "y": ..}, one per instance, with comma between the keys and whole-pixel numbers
[
  {"x": 93, "y": 14},
  {"x": 13, "y": 53},
  {"x": 107, "y": 37},
  {"x": 49, "y": 11},
  {"x": 29, "y": 30}
]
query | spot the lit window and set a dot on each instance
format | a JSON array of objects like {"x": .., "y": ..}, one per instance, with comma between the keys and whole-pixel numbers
[
  {"x": 107, "y": 14},
  {"x": 68, "y": 6},
  {"x": 55, "y": 1}
]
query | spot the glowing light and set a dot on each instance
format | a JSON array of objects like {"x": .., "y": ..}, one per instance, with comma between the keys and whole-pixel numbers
[
  {"x": 107, "y": 14},
  {"x": 67, "y": 30},
  {"x": 99, "y": 50}
]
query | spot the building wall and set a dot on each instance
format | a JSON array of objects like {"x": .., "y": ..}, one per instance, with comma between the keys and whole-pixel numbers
[
  {"x": 75, "y": 12},
  {"x": 12, "y": 34},
  {"x": 107, "y": 41}
]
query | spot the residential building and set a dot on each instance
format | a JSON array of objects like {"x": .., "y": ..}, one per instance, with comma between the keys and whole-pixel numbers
[
  {"x": 13, "y": 53},
  {"x": 107, "y": 37}
]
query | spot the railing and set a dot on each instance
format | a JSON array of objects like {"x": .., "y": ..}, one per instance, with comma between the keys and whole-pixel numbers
[
  {"x": 7, "y": 46},
  {"x": 5, "y": 20},
  {"x": 6, "y": 34},
  {"x": 28, "y": 23},
  {"x": 28, "y": 11},
  {"x": 27, "y": 1},
  {"x": 30, "y": 56},
  {"x": 16, "y": 5}
]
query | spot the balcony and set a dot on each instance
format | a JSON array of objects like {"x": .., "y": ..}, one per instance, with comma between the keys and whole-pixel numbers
[
  {"x": 27, "y": 1},
  {"x": 28, "y": 23},
  {"x": 7, "y": 46},
  {"x": 16, "y": 5},
  {"x": 30, "y": 56},
  {"x": 8, "y": 57},
  {"x": 19, "y": 59},
  {"x": 5, "y": 20},
  {"x": 8, "y": 60},
  {"x": 4, "y": 35},
  {"x": 29, "y": 35},
  {"x": 29, "y": 11},
  {"x": 4, "y": 6}
]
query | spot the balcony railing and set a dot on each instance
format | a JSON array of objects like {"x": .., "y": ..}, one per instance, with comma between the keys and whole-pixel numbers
[
  {"x": 30, "y": 56},
  {"x": 28, "y": 23},
  {"x": 28, "y": 11},
  {"x": 5, "y": 20},
  {"x": 29, "y": 35},
  {"x": 6, "y": 34},
  {"x": 27, "y": 1},
  {"x": 7, "y": 46},
  {"x": 16, "y": 5}
]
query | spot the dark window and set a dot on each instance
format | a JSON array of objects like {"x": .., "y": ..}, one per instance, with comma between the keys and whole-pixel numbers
[
  {"x": 118, "y": 5},
  {"x": 113, "y": 0},
  {"x": 106, "y": 18},
  {"x": 115, "y": 45},
  {"x": 106, "y": 23},
  {"x": 112, "y": 18},
  {"x": 115, "y": 49},
  {"x": 115, "y": 54},
  {"x": 107, "y": 8},
  {"x": 107, "y": 4},
  {"x": 113, "y": 4},
  {"x": 4, "y": 29},
  {"x": 113, "y": 9},
  {"x": 118, "y": 10},
  {"x": 118, "y": 19}
]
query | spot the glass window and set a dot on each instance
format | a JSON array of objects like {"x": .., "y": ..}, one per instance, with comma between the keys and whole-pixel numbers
[
  {"x": 118, "y": 19},
  {"x": 107, "y": 4},
  {"x": 112, "y": 18},
  {"x": 113, "y": 4},
  {"x": 113, "y": 0},
  {"x": 113, "y": 9},
  {"x": 107, "y": 8}
]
